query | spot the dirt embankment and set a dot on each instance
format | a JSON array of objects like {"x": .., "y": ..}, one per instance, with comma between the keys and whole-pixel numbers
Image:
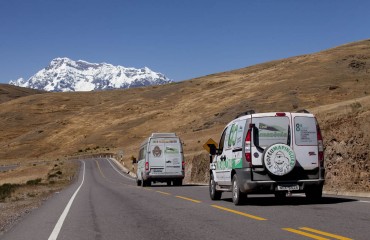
[{"x": 347, "y": 146}]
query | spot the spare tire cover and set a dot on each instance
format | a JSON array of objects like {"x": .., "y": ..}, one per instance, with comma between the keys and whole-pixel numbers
[{"x": 279, "y": 159}]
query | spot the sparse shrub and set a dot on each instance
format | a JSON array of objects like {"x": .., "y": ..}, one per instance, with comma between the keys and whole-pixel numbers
[
  {"x": 31, "y": 194},
  {"x": 59, "y": 172},
  {"x": 80, "y": 150},
  {"x": 6, "y": 190},
  {"x": 356, "y": 106},
  {"x": 34, "y": 181},
  {"x": 53, "y": 175}
]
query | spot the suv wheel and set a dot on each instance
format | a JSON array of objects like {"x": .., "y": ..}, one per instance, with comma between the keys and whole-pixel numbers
[
  {"x": 238, "y": 197},
  {"x": 314, "y": 193},
  {"x": 138, "y": 182},
  {"x": 214, "y": 194}
]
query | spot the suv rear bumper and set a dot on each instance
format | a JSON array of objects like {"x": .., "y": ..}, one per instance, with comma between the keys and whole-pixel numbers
[{"x": 270, "y": 186}]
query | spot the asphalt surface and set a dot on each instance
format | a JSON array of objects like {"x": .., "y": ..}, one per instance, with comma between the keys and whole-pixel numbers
[{"x": 104, "y": 203}]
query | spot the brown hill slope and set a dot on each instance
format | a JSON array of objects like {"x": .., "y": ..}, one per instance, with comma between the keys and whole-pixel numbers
[
  {"x": 9, "y": 92},
  {"x": 55, "y": 124}
]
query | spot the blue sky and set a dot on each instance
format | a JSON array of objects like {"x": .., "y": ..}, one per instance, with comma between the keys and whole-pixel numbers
[{"x": 182, "y": 39}]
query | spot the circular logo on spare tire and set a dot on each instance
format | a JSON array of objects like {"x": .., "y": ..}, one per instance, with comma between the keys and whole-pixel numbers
[{"x": 279, "y": 159}]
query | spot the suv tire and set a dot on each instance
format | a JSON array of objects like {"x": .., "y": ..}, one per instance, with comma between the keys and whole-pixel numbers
[
  {"x": 214, "y": 194},
  {"x": 238, "y": 197},
  {"x": 314, "y": 194},
  {"x": 138, "y": 182}
]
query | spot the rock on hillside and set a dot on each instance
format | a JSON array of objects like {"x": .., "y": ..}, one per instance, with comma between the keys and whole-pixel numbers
[{"x": 66, "y": 75}]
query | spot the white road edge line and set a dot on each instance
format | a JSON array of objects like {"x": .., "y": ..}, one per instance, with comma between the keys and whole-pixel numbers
[
  {"x": 364, "y": 201},
  {"x": 119, "y": 171},
  {"x": 54, "y": 234}
]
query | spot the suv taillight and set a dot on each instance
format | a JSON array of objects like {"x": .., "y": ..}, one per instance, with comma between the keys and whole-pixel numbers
[
  {"x": 147, "y": 166},
  {"x": 247, "y": 148},
  {"x": 320, "y": 146}
]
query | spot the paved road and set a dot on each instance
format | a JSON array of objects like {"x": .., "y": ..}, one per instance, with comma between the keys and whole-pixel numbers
[{"x": 105, "y": 204}]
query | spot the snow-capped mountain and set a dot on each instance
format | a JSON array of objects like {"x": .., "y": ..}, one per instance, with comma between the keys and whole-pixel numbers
[{"x": 66, "y": 75}]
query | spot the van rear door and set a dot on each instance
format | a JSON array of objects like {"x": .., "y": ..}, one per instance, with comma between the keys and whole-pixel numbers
[
  {"x": 156, "y": 156},
  {"x": 305, "y": 141},
  {"x": 173, "y": 155}
]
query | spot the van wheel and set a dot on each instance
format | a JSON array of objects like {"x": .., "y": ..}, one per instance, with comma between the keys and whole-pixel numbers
[
  {"x": 238, "y": 197},
  {"x": 177, "y": 182},
  {"x": 148, "y": 183},
  {"x": 214, "y": 194}
]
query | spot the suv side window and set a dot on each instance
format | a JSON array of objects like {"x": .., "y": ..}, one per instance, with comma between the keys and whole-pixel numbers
[
  {"x": 222, "y": 140},
  {"x": 232, "y": 136}
]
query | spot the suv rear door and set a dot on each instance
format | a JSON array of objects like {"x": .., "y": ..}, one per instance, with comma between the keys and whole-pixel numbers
[
  {"x": 270, "y": 128},
  {"x": 305, "y": 141}
]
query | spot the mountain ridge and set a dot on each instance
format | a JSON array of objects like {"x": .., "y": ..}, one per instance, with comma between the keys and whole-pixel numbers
[{"x": 66, "y": 75}]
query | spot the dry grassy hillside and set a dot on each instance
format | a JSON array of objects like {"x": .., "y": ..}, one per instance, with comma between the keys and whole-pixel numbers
[
  {"x": 52, "y": 125},
  {"x": 8, "y": 92}
]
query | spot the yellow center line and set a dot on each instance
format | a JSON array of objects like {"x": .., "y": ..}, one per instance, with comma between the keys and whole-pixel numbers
[
  {"x": 325, "y": 233},
  {"x": 189, "y": 199},
  {"x": 100, "y": 169},
  {"x": 165, "y": 193},
  {"x": 239, "y": 213},
  {"x": 305, "y": 234}
]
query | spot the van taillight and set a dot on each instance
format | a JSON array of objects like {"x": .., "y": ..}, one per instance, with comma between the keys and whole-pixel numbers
[
  {"x": 280, "y": 114},
  {"x": 183, "y": 166},
  {"x": 147, "y": 166},
  {"x": 247, "y": 149},
  {"x": 320, "y": 146}
]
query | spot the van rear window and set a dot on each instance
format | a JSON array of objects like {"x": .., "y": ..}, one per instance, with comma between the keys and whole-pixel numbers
[
  {"x": 305, "y": 131},
  {"x": 272, "y": 130}
]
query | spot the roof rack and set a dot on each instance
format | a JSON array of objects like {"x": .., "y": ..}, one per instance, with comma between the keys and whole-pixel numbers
[
  {"x": 249, "y": 112},
  {"x": 303, "y": 111},
  {"x": 163, "y": 135}
]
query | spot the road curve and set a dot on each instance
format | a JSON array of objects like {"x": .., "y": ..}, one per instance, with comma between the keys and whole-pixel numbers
[{"x": 104, "y": 204}]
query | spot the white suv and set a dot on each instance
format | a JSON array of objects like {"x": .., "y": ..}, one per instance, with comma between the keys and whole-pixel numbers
[{"x": 278, "y": 153}]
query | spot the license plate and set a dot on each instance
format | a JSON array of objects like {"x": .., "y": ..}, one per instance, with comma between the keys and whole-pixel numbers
[
  {"x": 288, "y": 188},
  {"x": 157, "y": 170}
]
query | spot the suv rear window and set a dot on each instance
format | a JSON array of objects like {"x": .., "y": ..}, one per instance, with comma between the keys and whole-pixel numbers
[
  {"x": 272, "y": 130},
  {"x": 305, "y": 131}
]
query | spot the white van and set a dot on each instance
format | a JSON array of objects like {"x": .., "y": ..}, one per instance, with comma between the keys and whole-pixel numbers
[
  {"x": 160, "y": 160},
  {"x": 278, "y": 153}
]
